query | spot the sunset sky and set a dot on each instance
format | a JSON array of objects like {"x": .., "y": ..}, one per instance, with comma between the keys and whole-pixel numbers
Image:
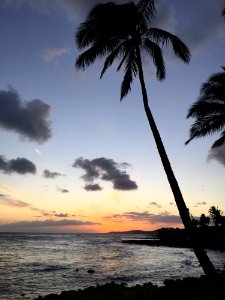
[{"x": 73, "y": 157}]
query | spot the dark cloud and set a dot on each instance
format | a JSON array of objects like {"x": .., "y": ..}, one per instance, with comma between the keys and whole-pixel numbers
[
  {"x": 61, "y": 215},
  {"x": 18, "y": 165},
  {"x": 62, "y": 190},
  {"x": 28, "y": 118},
  {"x": 163, "y": 217},
  {"x": 49, "y": 174},
  {"x": 154, "y": 204},
  {"x": 105, "y": 169},
  {"x": 31, "y": 225},
  {"x": 217, "y": 154},
  {"x": 205, "y": 17},
  {"x": 92, "y": 187}
]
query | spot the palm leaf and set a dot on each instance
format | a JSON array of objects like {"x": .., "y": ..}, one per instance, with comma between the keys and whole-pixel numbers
[
  {"x": 156, "y": 53},
  {"x": 220, "y": 141},
  {"x": 163, "y": 37},
  {"x": 131, "y": 71},
  {"x": 147, "y": 9},
  {"x": 110, "y": 59}
]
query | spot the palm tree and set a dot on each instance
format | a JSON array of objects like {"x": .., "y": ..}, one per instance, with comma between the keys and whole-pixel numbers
[
  {"x": 123, "y": 32},
  {"x": 216, "y": 215},
  {"x": 209, "y": 110}
]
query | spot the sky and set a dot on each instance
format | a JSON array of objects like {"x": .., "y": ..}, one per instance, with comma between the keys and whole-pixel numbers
[{"x": 73, "y": 157}]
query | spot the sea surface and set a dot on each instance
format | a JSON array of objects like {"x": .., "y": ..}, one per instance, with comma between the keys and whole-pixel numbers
[{"x": 38, "y": 264}]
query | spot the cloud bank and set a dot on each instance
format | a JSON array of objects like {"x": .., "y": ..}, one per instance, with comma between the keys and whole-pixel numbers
[
  {"x": 35, "y": 225},
  {"x": 30, "y": 119},
  {"x": 162, "y": 218},
  {"x": 18, "y": 165},
  {"x": 107, "y": 170}
]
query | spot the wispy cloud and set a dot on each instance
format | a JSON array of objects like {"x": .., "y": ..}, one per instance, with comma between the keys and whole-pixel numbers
[
  {"x": 162, "y": 218},
  {"x": 155, "y": 204},
  {"x": 38, "y": 151},
  {"x": 5, "y": 200},
  {"x": 52, "y": 53},
  {"x": 200, "y": 203},
  {"x": 50, "y": 174}
]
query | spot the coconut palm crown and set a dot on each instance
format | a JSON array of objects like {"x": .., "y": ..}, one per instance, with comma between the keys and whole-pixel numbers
[
  {"x": 209, "y": 110},
  {"x": 108, "y": 33},
  {"x": 123, "y": 33}
]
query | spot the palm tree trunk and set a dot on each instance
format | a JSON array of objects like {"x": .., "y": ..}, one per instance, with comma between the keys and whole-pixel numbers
[{"x": 204, "y": 260}]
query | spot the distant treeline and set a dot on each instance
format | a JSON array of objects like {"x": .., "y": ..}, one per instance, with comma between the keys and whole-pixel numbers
[{"x": 211, "y": 231}]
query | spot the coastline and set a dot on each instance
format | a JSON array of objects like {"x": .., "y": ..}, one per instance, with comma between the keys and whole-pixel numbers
[{"x": 189, "y": 288}]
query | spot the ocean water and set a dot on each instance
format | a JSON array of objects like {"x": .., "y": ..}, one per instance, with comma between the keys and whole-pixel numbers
[{"x": 38, "y": 264}]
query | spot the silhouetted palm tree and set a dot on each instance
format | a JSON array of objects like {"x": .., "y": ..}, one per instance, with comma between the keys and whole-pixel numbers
[
  {"x": 209, "y": 110},
  {"x": 123, "y": 32},
  {"x": 216, "y": 215}
]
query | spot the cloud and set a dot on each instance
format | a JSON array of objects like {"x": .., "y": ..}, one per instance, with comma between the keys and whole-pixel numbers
[
  {"x": 18, "y": 165},
  {"x": 217, "y": 154},
  {"x": 164, "y": 217},
  {"x": 61, "y": 215},
  {"x": 105, "y": 169},
  {"x": 52, "y": 53},
  {"x": 62, "y": 190},
  {"x": 92, "y": 187},
  {"x": 49, "y": 174},
  {"x": 38, "y": 151},
  {"x": 200, "y": 203},
  {"x": 8, "y": 201},
  {"x": 28, "y": 118},
  {"x": 205, "y": 17},
  {"x": 31, "y": 225},
  {"x": 154, "y": 204},
  {"x": 5, "y": 200}
]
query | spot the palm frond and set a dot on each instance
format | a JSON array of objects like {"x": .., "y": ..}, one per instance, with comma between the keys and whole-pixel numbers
[
  {"x": 110, "y": 59},
  {"x": 156, "y": 53},
  {"x": 99, "y": 25},
  {"x": 163, "y": 37},
  {"x": 219, "y": 142},
  {"x": 131, "y": 71},
  {"x": 205, "y": 126},
  {"x": 147, "y": 9}
]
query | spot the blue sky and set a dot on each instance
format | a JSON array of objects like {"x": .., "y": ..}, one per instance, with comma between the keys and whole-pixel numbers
[{"x": 78, "y": 115}]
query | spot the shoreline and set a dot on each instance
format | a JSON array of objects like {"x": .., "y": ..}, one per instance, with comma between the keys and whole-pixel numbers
[
  {"x": 174, "y": 243},
  {"x": 189, "y": 288}
]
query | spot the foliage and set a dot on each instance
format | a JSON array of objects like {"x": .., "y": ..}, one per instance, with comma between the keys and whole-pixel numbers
[
  {"x": 209, "y": 110},
  {"x": 106, "y": 33},
  {"x": 186, "y": 289}
]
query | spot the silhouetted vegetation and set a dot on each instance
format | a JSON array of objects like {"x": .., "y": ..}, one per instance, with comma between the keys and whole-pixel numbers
[
  {"x": 210, "y": 230},
  {"x": 186, "y": 289},
  {"x": 123, "y": 32},
  {"x": 209, "y": 109}
]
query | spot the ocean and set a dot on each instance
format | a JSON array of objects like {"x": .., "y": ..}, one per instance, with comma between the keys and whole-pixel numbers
[{"x": 39, "y": 264}]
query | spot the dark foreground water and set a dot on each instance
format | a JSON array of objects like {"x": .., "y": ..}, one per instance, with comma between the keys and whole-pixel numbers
[{"x": 38, "y": 264}]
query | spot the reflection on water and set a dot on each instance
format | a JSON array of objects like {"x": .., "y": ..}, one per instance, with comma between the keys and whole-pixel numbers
[{"x": 36, "y": 264}]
